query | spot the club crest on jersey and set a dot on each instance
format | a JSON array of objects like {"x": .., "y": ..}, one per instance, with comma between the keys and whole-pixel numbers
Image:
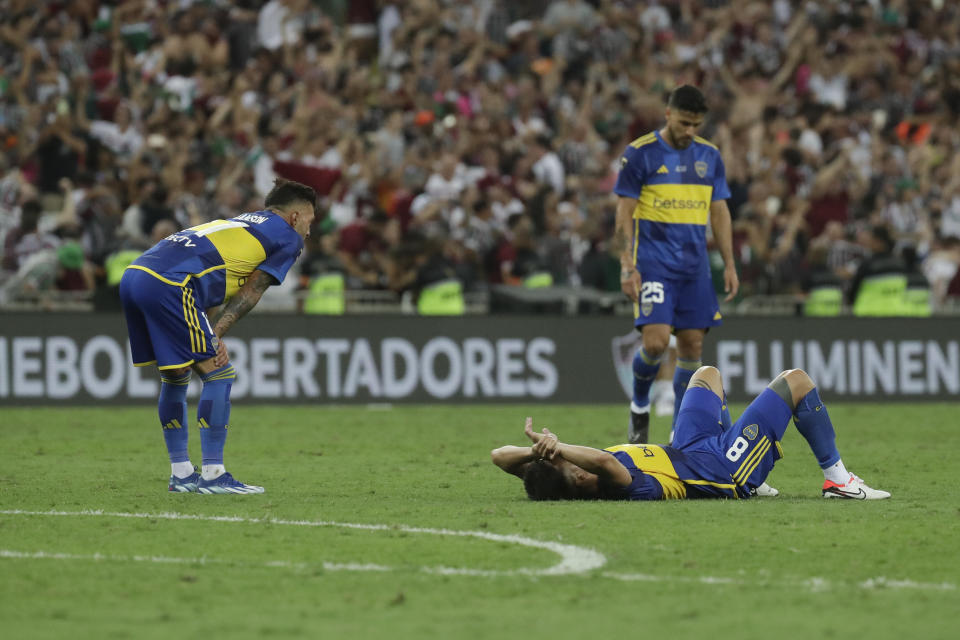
[
  {"x": 751, "y": 431},
  {"x": 700, "y": 167},
  {"x": 646, "y": 308}
]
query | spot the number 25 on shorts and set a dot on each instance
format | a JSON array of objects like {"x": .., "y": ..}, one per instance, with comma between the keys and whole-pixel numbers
[{"x": 651, "y": 292}]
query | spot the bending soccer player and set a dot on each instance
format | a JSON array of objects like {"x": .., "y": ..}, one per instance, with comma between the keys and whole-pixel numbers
[
  {"x": 671, "y": 183},
  {"x": 165, "y": 293},
  {"x": 709, "y": 458}
]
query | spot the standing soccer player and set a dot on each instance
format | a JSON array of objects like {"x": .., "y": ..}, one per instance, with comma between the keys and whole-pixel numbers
[
  {"x": 671, "y": 183},
  {"x": 166, "y": 293}
]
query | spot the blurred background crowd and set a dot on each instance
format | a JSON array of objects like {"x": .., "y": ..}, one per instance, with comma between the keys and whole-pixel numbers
[{"x": 477, "y": 140}]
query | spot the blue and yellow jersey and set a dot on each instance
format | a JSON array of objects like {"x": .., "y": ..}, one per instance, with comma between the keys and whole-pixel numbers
[
  {"x": 665, "y": 473},
  {"x": 673, "y": 189},
  {"x": 219, "y": 256}
]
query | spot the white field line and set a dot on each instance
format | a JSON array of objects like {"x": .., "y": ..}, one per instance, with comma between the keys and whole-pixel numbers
[
  {"x": 814, "y": 584},
  {"x": 573, "y": 559}
]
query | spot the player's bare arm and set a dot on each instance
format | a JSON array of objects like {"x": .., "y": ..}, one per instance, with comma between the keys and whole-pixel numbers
[
  {"x": 723, "y": 235},
  {"x": 513, "y": 460},
  {"x": 595, "y": 461},
  {"x": 240, "y": 304},
  {"x": 623, "y": 246}
]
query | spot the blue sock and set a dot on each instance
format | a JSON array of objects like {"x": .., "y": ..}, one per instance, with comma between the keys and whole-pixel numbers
[
  {"x": 172, "y": 408},
  {"x": 681, "y": 378},
  {"x": 813, "y": 423},
  {"x": 645, "y": 370},
  {"x": 213, "y": 412},
  {"x": 725, "y": 420}
]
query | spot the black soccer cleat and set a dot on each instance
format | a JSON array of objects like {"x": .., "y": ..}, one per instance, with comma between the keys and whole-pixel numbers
[{"x": 639, "y": 427}]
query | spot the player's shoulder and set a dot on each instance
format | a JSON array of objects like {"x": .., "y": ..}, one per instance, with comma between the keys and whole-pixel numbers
[
  {"x": 705, "y": 143},
  {"x": 643, "y": 141}
]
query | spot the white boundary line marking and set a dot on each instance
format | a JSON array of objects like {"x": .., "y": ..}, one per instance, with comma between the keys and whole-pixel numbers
[
  {"x": 813, "y": 584},
  {"x": 573, "y": 559}
]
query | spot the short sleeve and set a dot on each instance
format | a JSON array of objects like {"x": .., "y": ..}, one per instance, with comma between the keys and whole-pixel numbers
[
  {"x": 282, "y": 257},
  {"x": 631, "y": 176},
  {"x": 721, "y": 191}
]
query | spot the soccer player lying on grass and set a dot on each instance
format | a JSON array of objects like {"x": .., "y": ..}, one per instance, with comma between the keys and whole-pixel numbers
[{"x": 709, "y": 458}]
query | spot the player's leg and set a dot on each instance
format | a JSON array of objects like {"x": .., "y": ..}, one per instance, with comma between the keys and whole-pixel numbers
[
  {"x": 696, "y": 310},
  {"x": 213, "y": 416},
  {"x": 814, "y": 424},
  {"x": 653, "y": 317},
  {"x": 146, "y": 303},
  {"x": 661, "y": 393},
  {"x": 172, "y": 410},
  {"x": 646, "y": 363},
  {"x": 699, "y": 415},
  {"x": 689, "y": 353}
]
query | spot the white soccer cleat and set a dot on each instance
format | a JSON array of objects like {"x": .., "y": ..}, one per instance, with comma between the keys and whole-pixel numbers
[
  {"x": 854, "y": 489},
  {"x": 764, "y": 491}
]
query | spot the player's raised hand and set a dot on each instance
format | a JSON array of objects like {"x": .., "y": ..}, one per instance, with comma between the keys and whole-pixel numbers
[
  {"x": 731, "y": 283},
  {"x": 547, "y": 447},
  {"x": 530, "y": 433}
]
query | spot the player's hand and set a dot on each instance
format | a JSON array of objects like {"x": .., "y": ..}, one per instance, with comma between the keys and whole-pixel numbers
[
  {"x": 731, "y": 283},
  {"x": 630, "y": 282},
  {"x": 547, "y": 447},
  {"x": 222, "y": 356}
]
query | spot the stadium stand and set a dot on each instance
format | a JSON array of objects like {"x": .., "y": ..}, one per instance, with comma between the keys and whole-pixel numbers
[{"x": 476, "y": 141}]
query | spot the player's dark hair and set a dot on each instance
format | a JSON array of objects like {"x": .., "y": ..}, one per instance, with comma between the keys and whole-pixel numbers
[
  {"x": 687, "y": 98},
  {"x": 543, "y": 481},
  {"x": 286, "y": 192}
]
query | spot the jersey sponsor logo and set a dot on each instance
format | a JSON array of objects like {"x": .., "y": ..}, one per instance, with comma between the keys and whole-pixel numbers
[
  {"x": 180, "y": 239},
  {"x": 677, "y": 203},
  {"x": 252, "y": 217},
  {"x": 663, "y": 169},
  {"x": 751, "y": 431},
  {"x": 680, "y": 168},
  {"x": 700, "y": 167}
]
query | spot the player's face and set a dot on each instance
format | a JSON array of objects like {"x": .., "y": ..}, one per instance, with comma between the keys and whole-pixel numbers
[
  {"x": 682, "y": 126},
  {"x": 581, "y": 481},
  {"x": 303, "y": 217}
]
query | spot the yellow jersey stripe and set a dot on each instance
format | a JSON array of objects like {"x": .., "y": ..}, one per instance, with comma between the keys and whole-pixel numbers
[
  {"x": 186, "y": 318},
  {"x": 740, "y": 476},
  {"x": 144, "y": 364},
  {"x": 755, "y": 457},
  {"x": 201, "y": 337},
  {"x": 160, "y": 277},
  {"x": 730, "y": 487},
  {"x": 756, "y": 461},
  {"x": 779, "y": 448},
  {"x": 749, "y": 458},
  {"x": 644, "y": 140},
  {"x": 706, "y": 142},
  {"x": 177, "y": 366},
  {"x": 674, "y": 203}
]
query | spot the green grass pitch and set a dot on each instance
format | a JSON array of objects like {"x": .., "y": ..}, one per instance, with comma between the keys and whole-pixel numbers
[{"x": 283, "y": 565}]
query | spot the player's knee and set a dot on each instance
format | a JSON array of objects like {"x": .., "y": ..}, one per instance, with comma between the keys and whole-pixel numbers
[
  {"x": 709, "y": 378},
  {"x": 689, "y": 344},
  {"x": 792, "y": 385},
  {"x": 800, "y": 383},
  {"x": 654, "y": 346}
]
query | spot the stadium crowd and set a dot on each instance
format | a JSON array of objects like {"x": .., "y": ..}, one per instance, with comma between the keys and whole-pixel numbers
[{"x": 475, "y": 139}]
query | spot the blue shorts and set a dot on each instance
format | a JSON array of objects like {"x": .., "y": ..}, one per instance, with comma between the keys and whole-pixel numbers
[
  {"x": 746, "y": 452},
  {"x": 682, "y": 303},
  {"x": 163, "y": 322}
]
